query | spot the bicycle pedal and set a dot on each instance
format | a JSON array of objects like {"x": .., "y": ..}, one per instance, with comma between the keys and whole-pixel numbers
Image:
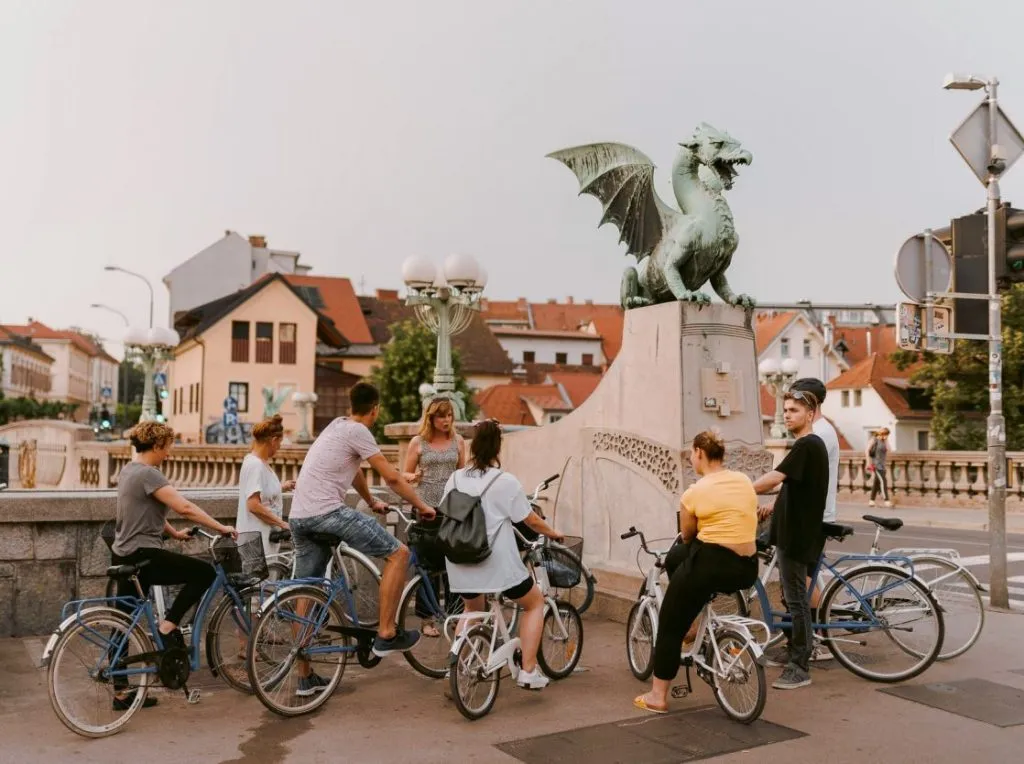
[
  {"x": 192, "y": 696},
  {"x": 680, "y": 691}
]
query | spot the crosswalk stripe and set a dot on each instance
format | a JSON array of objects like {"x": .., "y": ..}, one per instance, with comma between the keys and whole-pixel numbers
[{"x": 984, "y": 559}]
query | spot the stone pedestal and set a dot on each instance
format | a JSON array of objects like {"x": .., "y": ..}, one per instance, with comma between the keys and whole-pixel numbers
[{"x": 623, "y": 454}]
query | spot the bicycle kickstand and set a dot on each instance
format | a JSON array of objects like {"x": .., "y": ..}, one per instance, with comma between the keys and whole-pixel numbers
[{"x": 682, "y": 690}]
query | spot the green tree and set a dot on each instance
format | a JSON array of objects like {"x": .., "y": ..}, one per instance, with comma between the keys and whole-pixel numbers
[
  {"x": 408, "y": 363},
  {"x": 958, "y": 384}
]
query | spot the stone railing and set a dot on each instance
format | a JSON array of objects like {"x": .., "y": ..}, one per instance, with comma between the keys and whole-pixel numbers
[
  {"x": 932, "y": 478},
  {"x": 191, "y": 466}
]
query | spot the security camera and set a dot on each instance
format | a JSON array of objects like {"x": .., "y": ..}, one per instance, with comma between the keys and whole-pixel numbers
[{"x": 996, "y": 166}]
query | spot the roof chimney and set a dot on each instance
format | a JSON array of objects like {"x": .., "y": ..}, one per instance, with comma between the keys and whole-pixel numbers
[
  {"x": 588, "y": 301},
  {"x": 519, "y": 374},
  {"x": 258, "y": 241},
  {"x": 387, "y": 295},
  {"x": 570, "y": 300},
  {"x": 521, "y": 303},
  {"x": 867, "y": 336},
  {"x": 552, "y": 301},
  {"x": 485, "y": 304}
]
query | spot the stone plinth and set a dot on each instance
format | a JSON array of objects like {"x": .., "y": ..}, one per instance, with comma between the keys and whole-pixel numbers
[{"x": 623, "y": 454}]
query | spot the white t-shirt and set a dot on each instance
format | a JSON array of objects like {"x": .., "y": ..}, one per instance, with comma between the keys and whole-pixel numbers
[
  {"x": 330, "y": 467},
  {"x": 257, "y": 477},
  {"x": 824, "y": 430},
  {"x": 504, "y": 503}
]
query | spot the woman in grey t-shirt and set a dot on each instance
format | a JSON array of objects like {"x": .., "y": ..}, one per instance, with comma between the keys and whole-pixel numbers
[{"x": 143, "y": 499}]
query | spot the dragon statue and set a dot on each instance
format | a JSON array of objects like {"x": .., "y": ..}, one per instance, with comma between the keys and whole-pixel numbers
[{"x": 677, "y": 251}]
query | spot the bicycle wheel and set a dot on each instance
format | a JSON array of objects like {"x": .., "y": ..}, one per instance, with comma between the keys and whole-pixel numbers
[
  {"x": 363, "y": 580},
  {"x": 739, "y": 684},
  {"x": 430, "y": 656},
  {"x": 754, "y": 609},
  {"x": 227, "y": 638},
  {"x": 640, "y": 633},
  {"x": 730, "y": 604},
  {"x": 963, "y": 610},
  {"x": 582, "y": 594},
  {"x": 81, "y": 691},
  {"x": 278, "y": 571},
  {"x": 560, "y": 646},
  {"x": 883, "y": 624},
  {"x": 474, "y": 690},
  {"x": 298, "y": 633}
]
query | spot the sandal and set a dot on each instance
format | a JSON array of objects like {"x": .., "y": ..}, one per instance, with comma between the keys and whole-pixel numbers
[
  {"x": 640, "y": 702},
  {"x": 429, "y": 630}
]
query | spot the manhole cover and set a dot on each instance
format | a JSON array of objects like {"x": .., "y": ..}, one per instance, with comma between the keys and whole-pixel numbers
[
  {"x": 997, "y": 704},
  {"x": 690, "y": 735}
]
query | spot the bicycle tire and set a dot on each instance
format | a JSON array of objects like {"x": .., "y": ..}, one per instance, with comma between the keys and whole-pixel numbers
[
  {"x": 226, "y": 670},
  {"x": 475, "y": 646},
  {"x": 553, "y": 643},
  {"x": 956, "y": 587},
  {"x": 433, "y": 664},
  {"x": 753, "y": 609},
  {"x": 363, "y": 581},
  {"x": 838, "y": 645},
  {"x": 139, "y": 641},
  {"x": 265, "y": 684},
  {"x": 725, "y": 637},
  {"x": 641, "y": 667},
  {"x": 278, "y": 571}
]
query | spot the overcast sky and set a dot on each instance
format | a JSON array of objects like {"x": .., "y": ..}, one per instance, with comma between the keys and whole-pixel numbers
[{"x": 360, "y": 133}]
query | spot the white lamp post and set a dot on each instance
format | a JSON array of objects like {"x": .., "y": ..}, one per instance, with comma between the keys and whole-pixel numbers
[
  {"x": 444, "y": 303},
  {"x": 304, "y": 402},
  {"x": 150, "y": 346},
  {"x": 777, "y": 377}
]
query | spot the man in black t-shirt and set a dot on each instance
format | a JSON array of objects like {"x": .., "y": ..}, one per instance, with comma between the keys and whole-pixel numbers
[{"x": 796, "y": 526}]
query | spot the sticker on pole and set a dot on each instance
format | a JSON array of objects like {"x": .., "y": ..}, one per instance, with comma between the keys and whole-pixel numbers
[{"x": 910, "y": 328}]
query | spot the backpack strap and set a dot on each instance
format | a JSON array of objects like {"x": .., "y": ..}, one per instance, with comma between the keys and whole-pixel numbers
[{"x": 488, "y": 486}]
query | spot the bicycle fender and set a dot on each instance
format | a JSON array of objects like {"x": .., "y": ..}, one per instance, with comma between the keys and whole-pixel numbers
[{"x": 66, "y": 624}]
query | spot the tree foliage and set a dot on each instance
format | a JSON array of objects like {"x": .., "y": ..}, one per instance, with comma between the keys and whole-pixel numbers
[
  {"x": 15, "y": 409},
  {"x": 959, "y": 384},
  {"x": 408, "y": 362}
]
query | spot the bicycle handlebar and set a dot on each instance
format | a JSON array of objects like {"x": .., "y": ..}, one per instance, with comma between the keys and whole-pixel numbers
[{"x": 280, "y": 534}]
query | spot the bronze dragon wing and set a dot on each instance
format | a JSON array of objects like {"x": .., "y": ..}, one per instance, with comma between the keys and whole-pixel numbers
[{"x": 622, "y": 179}]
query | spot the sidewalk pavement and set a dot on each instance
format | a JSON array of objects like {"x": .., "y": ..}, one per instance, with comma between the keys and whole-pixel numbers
[
  {"x": 391, "y": 714},
  {"x": 933, "y": 517}
]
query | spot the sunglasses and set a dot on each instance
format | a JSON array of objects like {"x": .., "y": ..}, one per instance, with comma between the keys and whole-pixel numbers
[{"x": 803, "y": 396}]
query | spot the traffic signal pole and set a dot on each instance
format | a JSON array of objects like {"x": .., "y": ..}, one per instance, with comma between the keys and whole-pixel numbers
[{"x": 999, "y": 594}]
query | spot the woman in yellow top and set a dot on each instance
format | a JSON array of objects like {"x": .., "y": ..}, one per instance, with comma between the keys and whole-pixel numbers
[{"x": 718, "y": 521}]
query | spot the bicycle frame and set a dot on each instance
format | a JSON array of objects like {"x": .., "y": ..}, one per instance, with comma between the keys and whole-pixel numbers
[{"x": 500, "y": 656}]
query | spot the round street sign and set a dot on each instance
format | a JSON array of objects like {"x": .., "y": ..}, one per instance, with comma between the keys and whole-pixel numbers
[{"x": 917, "y": 276}]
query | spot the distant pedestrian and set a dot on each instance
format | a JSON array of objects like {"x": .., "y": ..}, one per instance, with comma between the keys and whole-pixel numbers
[{"x": 877, "y": 453}]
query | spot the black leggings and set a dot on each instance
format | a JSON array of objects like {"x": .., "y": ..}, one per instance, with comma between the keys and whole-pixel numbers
[
  {"x": 697, "y": 571},
  {"x": 878, "y": 482},
  {"x": 167, "y": 568}
]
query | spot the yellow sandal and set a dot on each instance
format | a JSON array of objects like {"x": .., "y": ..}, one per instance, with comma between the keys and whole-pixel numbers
[{"x": 640, "y": 703}]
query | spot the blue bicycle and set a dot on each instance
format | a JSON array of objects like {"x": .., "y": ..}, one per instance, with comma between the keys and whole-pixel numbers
[
  {"x": 878, "y": 620},
  {"x": 102, "y": 660}
]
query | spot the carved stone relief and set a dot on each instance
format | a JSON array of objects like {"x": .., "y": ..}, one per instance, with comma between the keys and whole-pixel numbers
[
  {"x": 752, "y": 462},
  {"x": 657, "y": 460}
]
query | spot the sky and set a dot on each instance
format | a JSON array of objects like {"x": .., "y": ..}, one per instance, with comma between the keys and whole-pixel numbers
[{"x": 136, "y": 132}]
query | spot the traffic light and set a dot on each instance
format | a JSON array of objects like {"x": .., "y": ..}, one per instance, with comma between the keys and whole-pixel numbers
[
  {"x": 970, "y": 250},
  {"x": 164, "y": 395}
]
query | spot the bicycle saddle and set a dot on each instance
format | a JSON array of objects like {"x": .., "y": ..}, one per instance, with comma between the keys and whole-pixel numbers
[
  {"x": 324, "y": 539},
  {"x": 889, "y": 523},
  {"x": 124, "y": 571},
  {"x": 280, "y": 534},
  {"x": 836, "y": 531}
]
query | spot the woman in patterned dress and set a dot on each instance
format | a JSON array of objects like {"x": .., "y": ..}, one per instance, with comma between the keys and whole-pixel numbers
[{"x": 433, "y": 456}]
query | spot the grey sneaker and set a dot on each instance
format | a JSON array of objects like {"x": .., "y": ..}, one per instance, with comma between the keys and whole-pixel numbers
[
  {"x": 792, "y": 678},
  {"x": 311, "y": 685},
  {"x": 403, "y": 641}
]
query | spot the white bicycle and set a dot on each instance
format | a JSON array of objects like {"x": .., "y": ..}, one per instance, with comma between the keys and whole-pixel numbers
[
  {"x": 484, "y": 645},
  {"x": 724, "y": 653}
]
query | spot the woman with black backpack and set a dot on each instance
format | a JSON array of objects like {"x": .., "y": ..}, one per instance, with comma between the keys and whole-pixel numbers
[{"x": 504, "y": 502}]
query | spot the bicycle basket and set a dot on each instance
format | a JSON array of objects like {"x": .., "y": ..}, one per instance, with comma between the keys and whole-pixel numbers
[
  {"x": 563, "y": 564},
  {"x": 423, "y": 538},
  {"x": 243, "y": 561}
]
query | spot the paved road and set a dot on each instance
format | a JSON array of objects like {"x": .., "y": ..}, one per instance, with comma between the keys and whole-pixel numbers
[{"x": 973, "y": 547}]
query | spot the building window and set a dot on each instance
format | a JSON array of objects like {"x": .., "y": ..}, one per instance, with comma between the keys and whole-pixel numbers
[
  {"x": 174, "y": 402},
  {"x": 846, "y": 399},
  {"x": 264, "y": 342},
  {"x": 923, "y": 441},
  {"x": 807, "y": 348},
  {"x": 588, "y": 359},
  {"x": 562, "y": 358},
  {"x": 240, "y": 341},
  {"x": 529, "y": 356},
  {"x": 858, "y": 397},
  {"x": 552, "y": 418},
  {"x": 240, "y": 392},
  {"x": 784, "y": 347},
  {"x": 286, "y": 336},
  {"x": 192, "y": 397}
]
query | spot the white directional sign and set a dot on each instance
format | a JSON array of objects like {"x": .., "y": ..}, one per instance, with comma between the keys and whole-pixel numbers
[{"x": 972, "y": 141}]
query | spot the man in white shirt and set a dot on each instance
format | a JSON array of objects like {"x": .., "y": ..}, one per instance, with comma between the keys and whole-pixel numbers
[{"x": 332, "y": 465}]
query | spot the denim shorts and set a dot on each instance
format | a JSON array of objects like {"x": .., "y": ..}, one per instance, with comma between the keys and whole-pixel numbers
[{"x": 358, "y": 530}]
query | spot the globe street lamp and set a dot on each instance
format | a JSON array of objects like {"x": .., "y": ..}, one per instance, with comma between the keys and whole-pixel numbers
[
  {"x": 150, "y": 346},
  {"x": 777, "y": 377},
  {"x": 444, "y": 303},
  {"x": 304, "y": 402}
]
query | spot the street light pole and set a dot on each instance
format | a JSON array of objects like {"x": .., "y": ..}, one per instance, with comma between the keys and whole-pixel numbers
[
  {"x": 999, "y": 595},
  {"x": 138, "y": 276},
  {"x": 777, "y": 377},
  {"x": 124, "y": 362}
]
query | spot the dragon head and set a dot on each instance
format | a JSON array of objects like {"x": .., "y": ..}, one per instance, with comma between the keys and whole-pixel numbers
[{"x": 718, "y": 152}]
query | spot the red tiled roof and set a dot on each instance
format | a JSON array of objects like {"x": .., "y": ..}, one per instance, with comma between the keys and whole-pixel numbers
[
  {"x": 769, "y": 327},
  {"x": 608, "y": 321},
  {"x": 879, "y": 373},
  {"x": 340, "y": 304},
  {"x": 858, "y": 346},
  {"x": 37, "y": 330},
  {"x": 578, "y": 385},
  {"x": 501, "y": 310},
  {"x": 508, "y": 402},
  {"x": 10, "y": 337},
  {"x": 522, "y": 331}
]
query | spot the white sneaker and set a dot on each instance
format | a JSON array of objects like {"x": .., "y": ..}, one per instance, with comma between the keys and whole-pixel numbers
[
  {"x": 821, "y": 653},
  {"x": 888, "y": 503},
  {"x": 871, "y": 503},
  {"x": 532, "y": 680}
]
